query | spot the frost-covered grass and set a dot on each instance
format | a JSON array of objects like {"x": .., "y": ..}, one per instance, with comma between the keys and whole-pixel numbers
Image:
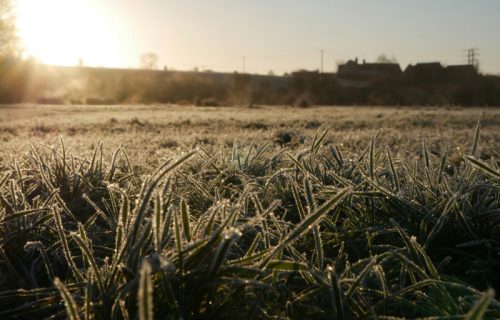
[{"x": 258, "y": 229}]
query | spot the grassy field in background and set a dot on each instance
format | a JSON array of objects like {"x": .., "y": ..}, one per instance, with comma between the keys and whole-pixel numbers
[
  {"x": 146, "y": 130},
  {"x": 170, "y": 212}
]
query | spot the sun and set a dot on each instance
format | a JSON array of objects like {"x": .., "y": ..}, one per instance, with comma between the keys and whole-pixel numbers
[{"x": 61, "y": 32}]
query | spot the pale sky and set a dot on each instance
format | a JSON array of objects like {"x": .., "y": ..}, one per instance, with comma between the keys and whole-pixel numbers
[{"x": 278, "y": 35}]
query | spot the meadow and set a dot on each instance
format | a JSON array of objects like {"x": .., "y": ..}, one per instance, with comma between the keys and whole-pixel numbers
[{"x": 184, "y": 212}]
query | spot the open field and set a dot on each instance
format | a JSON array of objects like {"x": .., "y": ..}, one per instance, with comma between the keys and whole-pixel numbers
[
  {"x": 154, "y": 130},
  {"x": 265, "y": 212}
]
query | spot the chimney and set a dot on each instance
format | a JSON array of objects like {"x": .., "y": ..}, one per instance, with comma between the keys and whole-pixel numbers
[
  {"x": 364, "y": 61},
  {"x": 356, "y": 60}
]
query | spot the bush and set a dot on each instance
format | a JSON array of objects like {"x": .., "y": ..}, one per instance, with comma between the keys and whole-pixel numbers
[
  {"x": 100, "y": 101},
  {"x": 51, "y": 100},
  {"x": 209, "y": 102},
  {"x": 303, "y": 103}
]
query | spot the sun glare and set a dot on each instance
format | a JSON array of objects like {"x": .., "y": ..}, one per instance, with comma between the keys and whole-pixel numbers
[{"x": 62, "y": 32}]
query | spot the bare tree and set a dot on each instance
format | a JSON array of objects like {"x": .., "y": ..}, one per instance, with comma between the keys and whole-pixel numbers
[
  {"x": 9, "y": 42},
  {"x": 385, "y": 59},
  {"x": 149, "y": 61}
]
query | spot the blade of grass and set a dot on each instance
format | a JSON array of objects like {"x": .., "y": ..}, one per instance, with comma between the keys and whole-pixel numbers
[
  {"x": 69, "y": 302},
  {"x": 145, "y": 293}
]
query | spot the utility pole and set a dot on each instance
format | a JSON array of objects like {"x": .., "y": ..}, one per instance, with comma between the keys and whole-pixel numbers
[
  {"x": 321, "y": 61},
  {"x": 472, "y": 54}
]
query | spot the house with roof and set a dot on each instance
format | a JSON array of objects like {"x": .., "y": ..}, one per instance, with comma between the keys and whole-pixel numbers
[
  {"x": 424, "y": 70},
  {"x": 464, "y": 71},
  {"x": 354, "y": 69},
  {"x": 436, "y": 71}
]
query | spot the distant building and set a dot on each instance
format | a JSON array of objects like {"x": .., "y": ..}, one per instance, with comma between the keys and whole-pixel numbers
[
  {"x": 464, "y": 71},
  {"x": 436, "y": 71},
  {"x": 425, "y": 70},
  {"x": 302, "y": 72},
  {"x": 353, "y": 69},
  {"x": 314, "y": 74}
]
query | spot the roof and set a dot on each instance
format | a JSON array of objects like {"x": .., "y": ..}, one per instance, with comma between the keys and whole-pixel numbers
[
  {"x": 425, "y": 67},
  {"x": 352, "y": 67},
  {"x": 461, "y": 67},
  {"x": 464, "y": 70}
]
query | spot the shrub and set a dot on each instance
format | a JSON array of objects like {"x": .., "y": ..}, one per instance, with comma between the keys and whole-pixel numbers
[
  {"x": 100, "y": 101},
  {"x": 51, "y": 100},
  {"x": 209, "y": 102},
  {"x": 303, "y": 103}
]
